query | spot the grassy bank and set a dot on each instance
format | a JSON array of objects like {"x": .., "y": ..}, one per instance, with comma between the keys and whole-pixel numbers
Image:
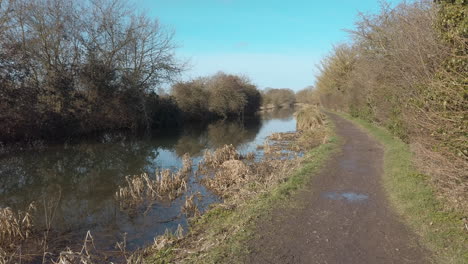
[
  {"x": 225, "y": 231},
  {"x": 411, "y": 193}
]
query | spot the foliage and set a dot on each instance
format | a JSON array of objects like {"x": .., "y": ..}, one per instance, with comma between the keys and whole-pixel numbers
[
  {"x": 406, "y": 69},
  {"x": 306, "y": 96},
  {"x": 221, "y": 95},
  {"x": 442, "y": 231},
  {"x": 69, "y": 67},
  {"x": 278, "y": 97}
]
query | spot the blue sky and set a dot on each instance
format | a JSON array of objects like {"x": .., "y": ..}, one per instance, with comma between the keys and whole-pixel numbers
[{"x": 275, "y": 43}]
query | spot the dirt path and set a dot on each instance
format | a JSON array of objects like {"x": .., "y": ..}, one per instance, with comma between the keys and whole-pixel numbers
[{"x": 344, "y": 217}]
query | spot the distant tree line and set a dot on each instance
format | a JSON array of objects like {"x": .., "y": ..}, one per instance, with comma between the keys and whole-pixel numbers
[
  {"x": 407, "y": 69},
  {"x": 306, "y": 96},
  {"x": 219, "y": 96},
  {"x": 274, "y": 98}
]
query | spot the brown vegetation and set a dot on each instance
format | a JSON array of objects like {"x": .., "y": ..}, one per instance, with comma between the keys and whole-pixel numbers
[
  {"x": 238, "y": 180},
  {"x": 309, "y": 118},
  {"x": 141, "y": 188},
  {"x": 274, "y": 98},
  {"x": 15, "y": 227},
  {"x": 69, "y": 67},
  {"x": 306, "y": 96},
  {"x": 407, "y": 70},
  {"x": 167, "y": 185},
  {"x": 221, "y": 95},
  {"x": 190, "y": 208}
]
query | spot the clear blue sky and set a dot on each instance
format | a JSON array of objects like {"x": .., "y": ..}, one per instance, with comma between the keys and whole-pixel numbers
[{"x": 275, "y": 43}]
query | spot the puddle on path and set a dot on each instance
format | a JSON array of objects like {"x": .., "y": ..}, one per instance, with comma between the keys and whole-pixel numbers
[{"x": 348, "y": 196}]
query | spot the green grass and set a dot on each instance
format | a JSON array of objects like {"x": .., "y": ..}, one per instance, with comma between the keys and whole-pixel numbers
[
  {"x": 240, "y": 223},
  {"x": 410, "y": 192}
]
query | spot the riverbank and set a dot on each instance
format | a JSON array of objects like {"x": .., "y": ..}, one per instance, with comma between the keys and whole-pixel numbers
[
  {"x": 78, "y": 182},
  {"x": 222, "y": 233},
  {"x": 410, "y": 192}
]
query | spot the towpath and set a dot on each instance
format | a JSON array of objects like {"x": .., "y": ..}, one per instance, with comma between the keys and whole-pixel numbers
[{"x": 343, "y": 216}]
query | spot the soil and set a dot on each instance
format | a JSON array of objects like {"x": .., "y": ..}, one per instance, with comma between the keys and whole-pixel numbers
[{"x": 342, "y": 216}]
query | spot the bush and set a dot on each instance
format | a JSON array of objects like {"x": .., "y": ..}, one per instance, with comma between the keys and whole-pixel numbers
[
  {"x": 407, "y": 70},
  {"x": 221, "y": 95}
]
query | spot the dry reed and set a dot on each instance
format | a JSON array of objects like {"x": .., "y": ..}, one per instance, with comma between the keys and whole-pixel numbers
[
  {"x": 15, "y": 226},
  {"x": 142, "y": 188},
  {"x": 214, "y": 159},
  {"x": 84, "y": 256},
  {"x": 190, "y": 208}
]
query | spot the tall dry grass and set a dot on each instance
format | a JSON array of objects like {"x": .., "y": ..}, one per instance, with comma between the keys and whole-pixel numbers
[
  {"x": 190, "y": 207},
  {"x": 166, "y": 185},
  {"x": 309, "y": 118},
  {"x": 15, "y": 226},
  {"x": 213, "y": 159},
  {"x": 142, "y": 188}
]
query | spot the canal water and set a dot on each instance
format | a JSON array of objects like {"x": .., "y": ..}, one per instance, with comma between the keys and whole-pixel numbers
[{"x": 73, "y": 184}]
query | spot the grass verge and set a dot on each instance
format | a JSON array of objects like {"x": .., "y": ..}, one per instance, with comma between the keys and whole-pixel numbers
[
  {"x": 411, "y": 193},
  {"x": 227, "y": 231}
]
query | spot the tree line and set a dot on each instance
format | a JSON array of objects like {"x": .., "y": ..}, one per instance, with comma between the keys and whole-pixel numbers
[
  {"x": 75, "y": 67},
  {"x": 407, "y": 69},
  {"x": 275, "y": 98}
]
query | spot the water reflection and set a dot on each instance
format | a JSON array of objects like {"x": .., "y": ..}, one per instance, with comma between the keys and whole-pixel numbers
[
  {"x": 279, "y": 113},
  {"x": 83, "y": 176}
]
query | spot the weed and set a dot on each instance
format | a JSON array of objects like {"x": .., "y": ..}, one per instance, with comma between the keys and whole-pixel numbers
[
  {"x": 15, "y": 226},
  {"x": 142, "y": 188}
]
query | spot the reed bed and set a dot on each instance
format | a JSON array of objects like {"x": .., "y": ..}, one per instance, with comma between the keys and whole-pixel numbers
[
  {"x": 140, "y": 189},
  {"x": 231, "y": 176},
  {"x": 212, "y": 160},
  {"x": 228, "y": 177},
  {"x": 166, "y": 185}
]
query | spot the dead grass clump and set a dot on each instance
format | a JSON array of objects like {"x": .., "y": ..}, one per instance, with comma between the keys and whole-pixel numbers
[
  {"x": 142, "y": 188},
  {"x": 230, "y": 174},
  {"x": 288, "y": 136},
  {"x": 214, "y": 159},
  {"x": 15, "y": 226},
  {"x": 309, "y": 118}
]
